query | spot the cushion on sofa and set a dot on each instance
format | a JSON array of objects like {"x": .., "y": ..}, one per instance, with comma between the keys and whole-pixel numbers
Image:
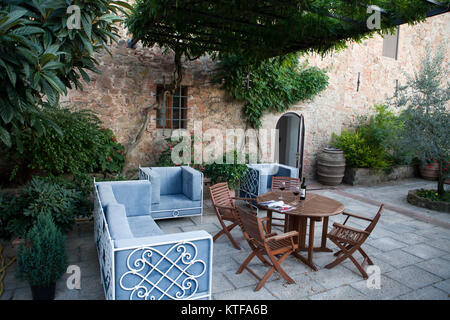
[
  {"x": 154, "y": 179},
  {"x": 116, "y": 217},
  {"x": 143, "y": 226},
  {"x": 192, "y": 183},
  {"x": 106, "y": 194},
  {"x": 170, "y": 180},
  {"x": 135, "y": 195},
  {"x": 286, "y": 171},
  {"x": 175, "y": 201}
]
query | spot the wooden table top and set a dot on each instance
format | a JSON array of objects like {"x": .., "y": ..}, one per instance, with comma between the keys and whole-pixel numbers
[{"x": 313, "y": 206}]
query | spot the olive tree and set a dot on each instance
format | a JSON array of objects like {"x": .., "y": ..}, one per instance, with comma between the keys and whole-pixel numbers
[{"x": 424, "y": 100}]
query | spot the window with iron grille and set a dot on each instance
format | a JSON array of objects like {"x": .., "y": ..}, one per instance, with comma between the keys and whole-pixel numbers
[{"x": 172, "y": 113}]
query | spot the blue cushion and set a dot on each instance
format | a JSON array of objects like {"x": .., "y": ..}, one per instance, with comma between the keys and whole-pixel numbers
[
  {"x": 154, "y": 179},
  {"x": 287, "y": 171},
  {"x": 105, "y": 194},
  {"x": 192, "y": 183},
  {"x": 170, "y": 180},
  {"x": 117, "y": 221},
  {"x": 175, "y": 201},
  {"x": 135, "y": 195},
  {"x": 143, "y": 226}
]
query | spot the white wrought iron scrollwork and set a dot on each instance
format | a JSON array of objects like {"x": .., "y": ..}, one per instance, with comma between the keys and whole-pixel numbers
[
  {"x": 155, "y": 275},
  {"x": 104, "y": 249},
  {"x": 250, "y": 183}
]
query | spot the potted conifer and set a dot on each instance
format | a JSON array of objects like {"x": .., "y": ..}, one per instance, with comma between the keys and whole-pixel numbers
[{"x": 42, "y": 257}]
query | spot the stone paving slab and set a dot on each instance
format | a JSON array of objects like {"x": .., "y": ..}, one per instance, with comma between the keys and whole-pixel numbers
[
  {"x": 424, "y": 251},
  {"x": 342, "y": 293},
  {"x": 398, "y": 258},
  {"x": 414, "y": 277},
  {"x": 246, "y": 293},
  {"x": 427, "y": 293},
  {"x": 437, "y": 266},
  {"x": 443, "y": 285},
  {"x": 389, "y": 288},
  {"x": 386, "y": 244}
]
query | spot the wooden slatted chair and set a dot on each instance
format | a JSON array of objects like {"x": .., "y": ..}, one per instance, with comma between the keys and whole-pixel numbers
[
  {"x": 263, "y": 243},
  {"x": 349, "y": 240},
  {"x": 225, "y": 208},
  {"x": 290, "y": 185}
]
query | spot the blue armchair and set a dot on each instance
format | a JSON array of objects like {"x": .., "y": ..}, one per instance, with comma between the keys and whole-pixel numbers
[
  {"x": 137, "y": 260},
  {"x": 176, "y": 191},
  {"x": 258, "y": 179}
]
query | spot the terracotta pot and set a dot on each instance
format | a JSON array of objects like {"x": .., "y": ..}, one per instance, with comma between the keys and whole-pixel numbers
[
  {"x": 330, "y": 166},
  {"x": 430, "y": 171}
]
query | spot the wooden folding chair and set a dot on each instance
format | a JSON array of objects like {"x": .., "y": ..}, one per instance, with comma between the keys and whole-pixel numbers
[
  {"x": 262, "y": 243},
  {"x": 225, "y": 208},
  {"x": 349, "y": 240},
  {"x": 290, "y": 185}
]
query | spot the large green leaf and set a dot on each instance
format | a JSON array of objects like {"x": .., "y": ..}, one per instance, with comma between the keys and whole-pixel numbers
[{"x": 5, "y": 137}]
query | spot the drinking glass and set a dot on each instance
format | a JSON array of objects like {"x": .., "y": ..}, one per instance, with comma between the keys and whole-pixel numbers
[{"x": 282, "y": 187}]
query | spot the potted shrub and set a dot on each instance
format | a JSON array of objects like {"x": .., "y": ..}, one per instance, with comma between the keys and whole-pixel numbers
[
  {"x": 232, "y": 173},
  {"x": 42, "y": 257}
]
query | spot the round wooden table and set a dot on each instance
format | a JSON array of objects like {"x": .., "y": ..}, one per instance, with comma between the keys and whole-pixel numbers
[{"x": 315, "y": 208}]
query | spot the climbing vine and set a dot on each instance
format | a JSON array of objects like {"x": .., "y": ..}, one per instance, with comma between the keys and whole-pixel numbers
[{"x": 274, "y": 84}]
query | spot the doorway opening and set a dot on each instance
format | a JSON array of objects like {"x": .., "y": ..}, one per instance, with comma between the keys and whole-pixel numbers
[{"x": 290, "y": 142}]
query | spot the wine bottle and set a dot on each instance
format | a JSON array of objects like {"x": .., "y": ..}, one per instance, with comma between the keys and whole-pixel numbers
[{"x": 303, "y": 190}]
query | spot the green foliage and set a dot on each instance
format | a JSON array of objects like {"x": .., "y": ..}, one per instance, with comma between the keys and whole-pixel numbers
[
  {"x": 374, "y": 143},
  {"x": 226, "y": 172},
  {"x": 424, "y": 100},
  {"x": 258, "y": 30},
  {"x": 359, "y": 153},
  {"x": 381, "y": 129},
  {"x": 18, "y": 213},
  {"x": 40, "y": 57},
  {"x": 434, "y": 195},
  {"x": 42, "y": 257},
  {"x": 12, "y": 220},
  {"x": 271, "y": 85},
  {"x": 83, "y": 147}
]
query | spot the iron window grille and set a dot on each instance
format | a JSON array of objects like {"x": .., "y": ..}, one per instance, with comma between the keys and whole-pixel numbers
[{"x": 172, "y": 113}]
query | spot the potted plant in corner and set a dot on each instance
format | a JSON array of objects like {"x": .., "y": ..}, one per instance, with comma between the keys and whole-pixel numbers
[
  {"x": 231, "y": 171},
  {"x": 42, "y": 258}
]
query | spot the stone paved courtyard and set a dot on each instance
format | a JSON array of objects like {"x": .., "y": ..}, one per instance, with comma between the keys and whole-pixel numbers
[{"x": 410, "y": 245}]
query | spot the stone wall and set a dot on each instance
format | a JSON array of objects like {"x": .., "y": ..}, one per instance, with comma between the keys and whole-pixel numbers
[{"x": 128, "y": 80}]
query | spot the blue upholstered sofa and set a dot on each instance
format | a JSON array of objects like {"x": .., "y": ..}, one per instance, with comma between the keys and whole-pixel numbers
[
  {"x": 176, "y": 191},
  {"x": 137, "y": 260},
  {"x": 258, "y": 178}
]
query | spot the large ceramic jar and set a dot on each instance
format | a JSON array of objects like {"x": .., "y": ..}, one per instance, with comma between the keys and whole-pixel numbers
[{"x": 330, "y": 166}]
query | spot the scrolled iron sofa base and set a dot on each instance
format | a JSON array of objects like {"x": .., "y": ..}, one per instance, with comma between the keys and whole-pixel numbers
[{"x": 137, "y": 260}]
